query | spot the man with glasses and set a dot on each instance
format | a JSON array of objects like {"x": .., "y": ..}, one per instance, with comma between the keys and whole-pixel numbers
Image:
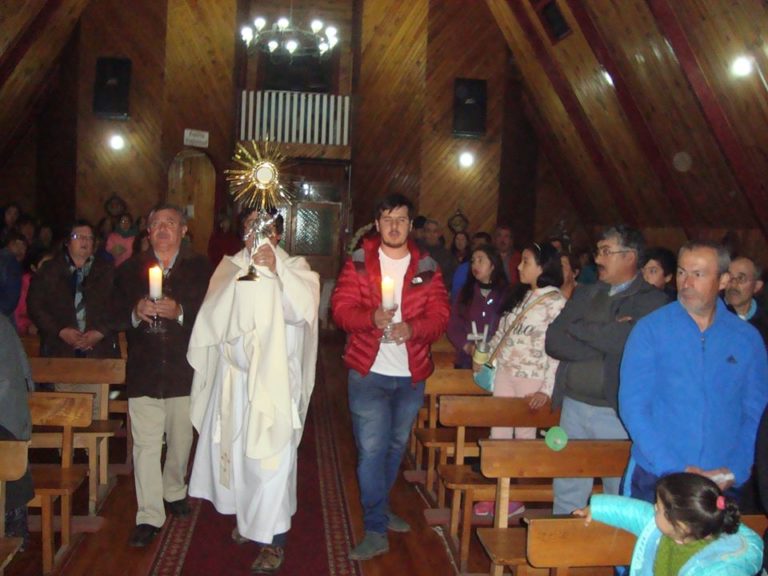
[
  {"x": 158, "y": 377},
  {"x": 388, "y": 287},
  {"x": 69, "y": 301},
  {"x": 588, "y": 338},
  {"x": 740, "y": 293},
  {"x": 694, "y": 382}
]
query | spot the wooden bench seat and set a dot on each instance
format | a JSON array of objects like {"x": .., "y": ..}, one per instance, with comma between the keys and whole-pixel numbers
[
  {"x": 51, "y": 483},
  {"x": 13, "y": 465},
  {"x": 505, "y": 460},
  {"x": 89, "y": 439},
  {"x": 465, "y": 412},
  {"x": 96, "y": 374},
  {"x": 560, "y": 543},
  {"x": 444, "y": 381}
]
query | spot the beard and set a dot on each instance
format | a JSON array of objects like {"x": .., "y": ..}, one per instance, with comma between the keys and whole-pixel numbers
[{"x": 395, "y": 244}]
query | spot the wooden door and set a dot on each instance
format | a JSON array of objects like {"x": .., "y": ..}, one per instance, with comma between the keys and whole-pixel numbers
[{"x": 192, "y": 185}]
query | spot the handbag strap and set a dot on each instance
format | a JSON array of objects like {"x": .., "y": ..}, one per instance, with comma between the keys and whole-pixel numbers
[{"x": 517, "y": 321}]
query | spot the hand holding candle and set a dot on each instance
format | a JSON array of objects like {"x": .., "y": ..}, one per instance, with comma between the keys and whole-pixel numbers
[
  {"x": 155, "y": 283},
  {"x": 387, "y": 293}
]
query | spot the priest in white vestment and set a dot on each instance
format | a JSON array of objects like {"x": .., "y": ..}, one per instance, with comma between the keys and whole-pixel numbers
[{"x": 253, "y": 348}]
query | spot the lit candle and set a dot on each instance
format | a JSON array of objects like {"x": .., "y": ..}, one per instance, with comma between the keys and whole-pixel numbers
[
  {"x": 155, "y": 283},
  {"x": 387, "y": 293}
]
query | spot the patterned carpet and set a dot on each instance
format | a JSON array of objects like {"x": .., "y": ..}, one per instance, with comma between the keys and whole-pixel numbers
[{"x": 320, "y": 537}]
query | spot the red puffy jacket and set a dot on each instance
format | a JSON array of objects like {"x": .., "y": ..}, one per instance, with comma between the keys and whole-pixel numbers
[{"x": 424, "y": 306}]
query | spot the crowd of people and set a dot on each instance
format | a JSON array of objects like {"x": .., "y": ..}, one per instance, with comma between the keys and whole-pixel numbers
[{"x": 629, "y": 342}]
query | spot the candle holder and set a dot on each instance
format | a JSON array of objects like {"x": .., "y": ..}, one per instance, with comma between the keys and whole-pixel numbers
[
  {"x": 260, "y": 229},
  {"x": 386, "y": 338},
  {"x": 156, "y": 325}
]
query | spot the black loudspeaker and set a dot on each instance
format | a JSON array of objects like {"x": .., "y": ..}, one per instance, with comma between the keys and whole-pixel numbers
[
  {"x": 111, "y": 88},
  {"x": 469, "y": 98}
]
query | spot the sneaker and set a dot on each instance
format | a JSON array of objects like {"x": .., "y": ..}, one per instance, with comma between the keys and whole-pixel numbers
[
  {"x": 488, "y": 508},
  {"x": 269, "y": 560},
  {"x": 397, "y": 524},
  {"x": 515, "y": 508},
  {"x": 374, "y": 544},
  {"x": 483, "y": 508}
]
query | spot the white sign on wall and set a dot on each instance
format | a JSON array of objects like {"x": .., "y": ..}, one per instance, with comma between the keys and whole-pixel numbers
[{"x": 197, "y": 138}]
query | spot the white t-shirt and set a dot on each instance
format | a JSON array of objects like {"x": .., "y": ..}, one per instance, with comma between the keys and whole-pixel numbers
[{"x": 392, "y": 359}]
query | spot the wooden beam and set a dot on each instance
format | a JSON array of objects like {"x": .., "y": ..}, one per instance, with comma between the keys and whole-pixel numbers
[
  {"x": 727, "y": 139},
  {"x": 22, "y": 43},
  {"x": 576, "y": 113},
  {"x": 642, "y": 131}
]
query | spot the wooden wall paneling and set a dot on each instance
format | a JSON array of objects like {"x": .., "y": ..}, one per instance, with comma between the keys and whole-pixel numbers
[
  {"x": 446, "y": 186},
  {"x": 19, "y": 169},
  {"x": 27, "y": 63},
  {"x": 649, "y": 68},
  {"x": 737, "y": 156},
  {"x": 568, "y": 151},
  {"x": 618, "y": 190},
  {"x": 386, "y": 146},
  {"x": 56, "y": 166},
  {"x": 199, "y": 87},
  {"x": 573, "y": 199},
  {"x": 521, "y": 155},
  {"x": 642, "y": 131},
  {"x": 138, "y": 173}
]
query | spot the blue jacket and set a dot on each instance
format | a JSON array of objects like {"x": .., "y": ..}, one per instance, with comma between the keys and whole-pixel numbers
[
  {"x": 739, "y": 554},
  {"x": 692, "y": 398}
]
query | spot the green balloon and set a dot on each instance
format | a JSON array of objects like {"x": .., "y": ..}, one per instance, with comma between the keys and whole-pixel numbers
[{"x": 556, "y": 438}]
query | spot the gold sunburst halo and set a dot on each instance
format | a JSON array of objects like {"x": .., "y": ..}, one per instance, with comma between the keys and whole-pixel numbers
[{"x": 255, "y": 181}]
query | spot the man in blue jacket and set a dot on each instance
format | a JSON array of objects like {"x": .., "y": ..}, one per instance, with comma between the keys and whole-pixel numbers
[{"x": 694, "y": 382}]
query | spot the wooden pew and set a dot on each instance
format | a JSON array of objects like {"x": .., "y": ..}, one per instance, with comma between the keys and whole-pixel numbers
[
  {"x": 459, "y": 413},
  {"x": 560, "y": 543},
  {"x": 32, "y": 345},
  {"x": 442, "y": 361},
  {"x": 446, "y": 381},
  {"x": 506, "y": 459},
  {"x": 52, "y": 482},
  {"x": 100, "y": 374},
  {"x": 13, "y": 465}
]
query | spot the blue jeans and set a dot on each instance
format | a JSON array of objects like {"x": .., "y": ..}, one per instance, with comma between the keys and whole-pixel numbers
[
  {"x": 585, "y": 422},
  {"x": 383, "y": 410}
]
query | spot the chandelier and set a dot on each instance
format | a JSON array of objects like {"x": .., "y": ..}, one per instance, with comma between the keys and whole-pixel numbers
[{"x": 283, "y": 37}]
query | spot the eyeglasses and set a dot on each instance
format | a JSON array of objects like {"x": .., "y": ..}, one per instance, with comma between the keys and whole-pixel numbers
[
  {"x": 740, "y": 279},
  {"x": 606, "y": 251},
  {"x": 76, "y": 236}
]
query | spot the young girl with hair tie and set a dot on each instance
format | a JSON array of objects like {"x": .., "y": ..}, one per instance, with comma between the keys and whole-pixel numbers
[{"x": 691, "y": 530}]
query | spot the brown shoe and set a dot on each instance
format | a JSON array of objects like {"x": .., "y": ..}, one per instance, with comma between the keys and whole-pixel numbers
[
  {"x": 269, "y": 560},
  {"x": 237, "y": 537}
]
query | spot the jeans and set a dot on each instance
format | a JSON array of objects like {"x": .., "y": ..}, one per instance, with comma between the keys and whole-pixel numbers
[
  {"x": 585, "y": 422},
  {"x": 383, "y": 411}
]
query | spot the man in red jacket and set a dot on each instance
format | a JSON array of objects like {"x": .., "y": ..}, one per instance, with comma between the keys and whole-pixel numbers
[{"x": 388, "y": 286}]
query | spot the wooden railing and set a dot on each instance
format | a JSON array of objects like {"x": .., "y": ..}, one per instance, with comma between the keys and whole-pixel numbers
[{"x": 295, "y": 117}]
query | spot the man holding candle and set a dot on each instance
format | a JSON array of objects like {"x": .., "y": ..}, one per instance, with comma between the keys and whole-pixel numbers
[
  {"x": 391, "y": 287},
  {"x": 158, "y": 376},
  {"x": 254, "y": 348}
]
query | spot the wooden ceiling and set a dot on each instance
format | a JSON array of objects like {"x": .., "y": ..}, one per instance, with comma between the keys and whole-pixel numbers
[
  {"x": 636, "y": 109},
  {"x": 639, "y": 103}
]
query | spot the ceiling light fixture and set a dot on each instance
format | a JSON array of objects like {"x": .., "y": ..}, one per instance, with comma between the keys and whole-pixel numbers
[{"x": 283, "y": 37}]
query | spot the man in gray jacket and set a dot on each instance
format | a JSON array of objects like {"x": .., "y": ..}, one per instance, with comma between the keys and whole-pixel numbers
[{"x": 588, "y": 338}]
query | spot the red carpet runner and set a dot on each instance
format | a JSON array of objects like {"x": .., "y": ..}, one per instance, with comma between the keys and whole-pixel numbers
[{"x": 320, "y": 536}]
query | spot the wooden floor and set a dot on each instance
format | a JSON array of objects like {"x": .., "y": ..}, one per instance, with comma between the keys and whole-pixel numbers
[{"x": 421, "y": 552}]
